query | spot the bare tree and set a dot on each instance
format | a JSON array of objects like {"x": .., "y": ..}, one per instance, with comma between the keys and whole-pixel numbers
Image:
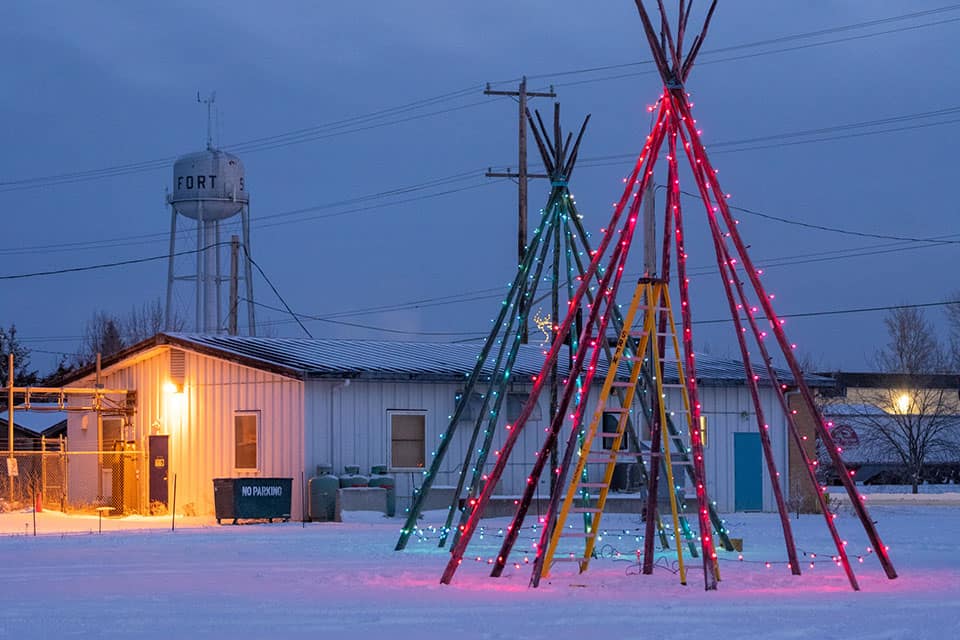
[
  {"x": 916, "y": 423},
  {"x": 952, "y": 310},
  {"x": 147, "y": 321},
  {"x": 107, "y": 334},
  {"x": 809, "y": 362},
  {"x": 912, "y": 346},
  {"x": 102, "y": 334}
]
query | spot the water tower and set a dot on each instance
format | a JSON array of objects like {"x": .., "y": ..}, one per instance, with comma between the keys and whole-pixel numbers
[{"x": 209, "y": 189}]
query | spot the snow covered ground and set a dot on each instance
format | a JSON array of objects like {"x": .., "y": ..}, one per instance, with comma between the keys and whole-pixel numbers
[{"x": 139, "y": 579}]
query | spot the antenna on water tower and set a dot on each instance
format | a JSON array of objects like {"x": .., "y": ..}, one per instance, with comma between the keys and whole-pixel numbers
[
  {"x": 209, "y": 100},
  {"x": 209, "y": 188}
]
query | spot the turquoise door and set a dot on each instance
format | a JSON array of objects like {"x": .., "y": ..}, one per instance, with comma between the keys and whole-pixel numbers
[{"x": 747, "y": 472}]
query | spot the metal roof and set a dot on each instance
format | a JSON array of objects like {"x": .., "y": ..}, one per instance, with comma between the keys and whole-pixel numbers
[{"x": 440, "y": 361}]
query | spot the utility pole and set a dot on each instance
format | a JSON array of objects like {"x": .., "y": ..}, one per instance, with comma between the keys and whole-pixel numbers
[
  {"x": 649, "y": 233},
  {"x": 96, "y": 404},
  {"x": 10, "y": 459},
  {"x": 521, "y": 175},
  {"x": 234, "y": 276}
]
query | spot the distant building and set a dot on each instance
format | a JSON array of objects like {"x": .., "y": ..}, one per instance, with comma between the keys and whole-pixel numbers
[
  {"x": 871, "y": 414},
  {"x": 42, "y": 420},
  {"x": 229, "y": 406}
]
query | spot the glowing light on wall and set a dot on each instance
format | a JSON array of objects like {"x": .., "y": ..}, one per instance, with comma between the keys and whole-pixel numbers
[{"x": 175, "y": 401}]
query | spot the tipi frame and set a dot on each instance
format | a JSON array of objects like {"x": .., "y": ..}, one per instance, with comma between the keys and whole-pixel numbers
[{"x": 675, "y": 127}]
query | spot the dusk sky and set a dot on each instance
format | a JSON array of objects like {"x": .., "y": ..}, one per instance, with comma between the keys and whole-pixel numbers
[{"x": 335, "y": 107}]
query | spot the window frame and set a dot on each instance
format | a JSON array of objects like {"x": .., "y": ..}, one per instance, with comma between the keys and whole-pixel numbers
[
  {"x": 472, "y": 409},
  {"x": 518, "y": 399},
  {"x": 605, "y": 442},
  {"x": 405, "y": 412},
  {"x": 257, "y": 432}
]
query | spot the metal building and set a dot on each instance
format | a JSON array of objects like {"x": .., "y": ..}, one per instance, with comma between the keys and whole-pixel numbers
[{"x": 226, "y": 406}]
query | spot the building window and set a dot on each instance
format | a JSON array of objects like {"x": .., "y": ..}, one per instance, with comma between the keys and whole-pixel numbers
[
  {"x": 408, "y": 433},
  {"x": 246, "y": 435},
  {"x": 112, "y": 433},
  {"x": 610, "y": 423},
  {"x": 515, "y": 404},
  {"x": 472, "y": 406}
]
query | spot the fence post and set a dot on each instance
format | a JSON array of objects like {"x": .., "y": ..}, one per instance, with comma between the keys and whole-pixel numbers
[
  {"x": 63, "y": 474},
  {"x": 173, "y": 511}
]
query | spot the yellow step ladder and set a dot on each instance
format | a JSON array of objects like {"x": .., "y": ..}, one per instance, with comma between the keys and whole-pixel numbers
[{"x": 650, "y": 298}]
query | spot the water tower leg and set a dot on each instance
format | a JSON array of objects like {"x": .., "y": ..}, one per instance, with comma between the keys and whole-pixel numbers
[
  {"x": 247, "y": 271},
  {"x": 218, "y": 280},
  {"x": 168, "y": 315},
  {"x": 198, "y": 281},
  {"x": 210, "y": 285}
]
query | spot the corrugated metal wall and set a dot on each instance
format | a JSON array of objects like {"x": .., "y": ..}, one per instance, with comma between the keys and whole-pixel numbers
[
  {"x": 359, "y": 435},
  {"x": 330, "y": 422},
  {"x": 730, "y": 410},
  {"x": 200, "y": 423}
]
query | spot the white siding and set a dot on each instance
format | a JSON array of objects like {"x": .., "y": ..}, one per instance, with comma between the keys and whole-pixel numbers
[
  {"x": 338, "y": 423},
  {"x": 360, "y": 433},
  {"x": 201, "y": 429},
  {"x": 730, "y": 410}
]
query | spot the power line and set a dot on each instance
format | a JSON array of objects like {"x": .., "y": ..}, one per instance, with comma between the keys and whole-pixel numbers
[
  {"x": 819, "y": 227},
  {"x": 837, "y": 312},
  {"x": 763, "y": 53},
  {"x": 106, "y": 265},
  {"x": 257, "y": 221},
  {"x": 760, "y": 43},
  {"x": 721, "y": 147},
  {"x": 275, "y": 292},
  {"x": 97, "y": 174},
  {"x": 368, "y": 121},
  {"x": 306, "y": 316},
  {"x": 253, "y": 144},
  {"x": 593, "y": 162}
]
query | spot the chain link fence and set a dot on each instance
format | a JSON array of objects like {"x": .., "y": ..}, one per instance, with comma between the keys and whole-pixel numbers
[{"x": 51, "y": 477}]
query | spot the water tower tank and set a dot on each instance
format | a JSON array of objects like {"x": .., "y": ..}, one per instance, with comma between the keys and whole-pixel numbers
[{"x": 208, "y": 185}]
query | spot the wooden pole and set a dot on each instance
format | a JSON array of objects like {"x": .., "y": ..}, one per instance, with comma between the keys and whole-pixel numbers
[
  {"x": 522, "y": 179},
  {"x": 10, "y": 420},
  {"x": 173, "y": 509},
  {"x": 234, "y": 278},
  {"x": 96, "y": 404},
  {"x": 522, "y": 174}
]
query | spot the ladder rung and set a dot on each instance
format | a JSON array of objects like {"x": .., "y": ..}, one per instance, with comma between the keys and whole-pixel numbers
[
  {"x": 676, "y": 458},
  {"x": 607, "y": 434},
  {"x": 568, "y": 559},
  {"x": 584, "y": 510},
  {"x": 608, "y": 458},
  {"x": 622, "y": 383},
  {"x": 616, "y": 410},
  {"x": 592, "y": 485},
  {"x": 578, "y": 535},
  {"x": 600, "y": 458}
]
